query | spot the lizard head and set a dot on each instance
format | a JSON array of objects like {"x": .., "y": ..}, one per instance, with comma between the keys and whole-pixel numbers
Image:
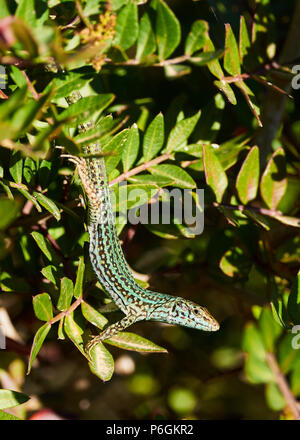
[{"x": 190, "y": 314}]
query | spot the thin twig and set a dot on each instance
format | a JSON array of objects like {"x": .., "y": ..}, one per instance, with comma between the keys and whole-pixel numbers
[
  {"x": 81, "y": 14},
  {"x": 35, "y": 94},
  {"x": 283, "y": 385},
  {"x": 66, "y": 312},
  {"x": 141, "y": 168}
]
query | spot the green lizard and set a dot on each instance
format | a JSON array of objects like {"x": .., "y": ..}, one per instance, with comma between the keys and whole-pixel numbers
[{"x": 109, "y": 263}]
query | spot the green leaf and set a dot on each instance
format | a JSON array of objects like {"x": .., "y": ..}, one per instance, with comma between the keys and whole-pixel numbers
[
  {"x": 216, "y": 69},
  {"x": 48, "y": 204},
  {"x": 252, "y": 341},
  {"x": 158, "y": 180},
  {"x": 146, "y": 43},
  {"x": 168, "y": 32},
  {"x": 180, "y": 177},
  {"x": 29, "y": 171},
  {"x": 197, "y": 37},
  {"x": 78, "y": 289},
  {"x": 117, "y": 4},
  {"x": 291, "y": 221},
  {"x": 22, "y": 28},
  {"x": 66, "y": 84},
  {"x": 133, "y": 196},
  {"x": 74, "y": 331},
  {"x": 9, "y": 211},
  {"x": 42, "y": 306},
  {"x": 37, "y": 343},
  {"x": 9, "y": 398},
  {"x": 244, "y": 43},
  {"x": 227, "y": 90},
  {"x": 273, "y": 182},
  {"x": 4, "y": 11},
  {"x": 30, "y": 197},
  {"x": 174, "y": 71},
  {"x": 258, "y": 370},
  {"x": 105, "y": 128},
  {"x": 294, "y": 301},
  {"x": 259, "y": 219},
  {"x": 4, "y": 415},
  {"x": 288, "y": 357},
  {"x": 248, "y": 177},
  {"x": 115, "y": 146},
  {"x": 278, "y": 306},
  {"x": 17, "y": 76},
  {"x": 127, "y": 27},
  {"x": 92, "y": 7},
  {"x": 295, "y": 382},
  {"x": 92, "y": 315},
  {"x": 131, "y": 148},
  {"x": 102, "y": 362},
  {"x": 32, "y": 13},
  {"x": 214, "y": 173},
  {"x": 66, "y": 294},
  {"x": 131, "y": 341},
  {"x": 235, "y": 263},
  {"x": 52, "y": 274},
  {"x": 231, "y": 57},
  {"x": 26, "y": 114},
  {"x": 8, "y": 108},
  {"x": 16, "y": 166},
  {"x": 84, "y": 109},
  {"x": 180, "y": 133},
  {"x": 45, "y": 246},
  {"x": 154, "y": 138},
  {"x": 270, "y": 330},
  {"x": 203, "y": 58},
  {"x": 274, "y": 397},
  {"x": 247, "y": 92}
]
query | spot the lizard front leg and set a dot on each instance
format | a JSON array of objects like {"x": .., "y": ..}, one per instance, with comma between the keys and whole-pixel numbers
[{"x": 112, "y": 330}]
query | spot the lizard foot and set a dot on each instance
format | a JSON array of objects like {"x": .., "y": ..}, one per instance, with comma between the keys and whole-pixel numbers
[{"x": 94, "y": 341}]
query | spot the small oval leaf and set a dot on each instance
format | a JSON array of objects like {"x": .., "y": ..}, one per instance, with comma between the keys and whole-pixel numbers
[
  {"x": 131, "y": 341},
  {"x": 42, "y": 306},
  {"x": 102, "y": 362},
  {"x": 248, "y": 177},
  {"x": 37, "y": 343}
]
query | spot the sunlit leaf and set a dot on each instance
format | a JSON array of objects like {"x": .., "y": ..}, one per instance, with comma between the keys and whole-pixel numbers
[
  {"x": 42, "y": 306},
  {"x": 37, "y": 343},
  {"x": 248, "y": 177},
  {"x": 154, "y": 138},
  {"x": 168, "y": 30},
  {"x": 102, "y": 362},
  {"x": 215, "y": 175},
  {"x": 273, "y": 182},
  {"x": 131, "y": 341},
  {"x": 9, "y": 398},
  {"x": 66, "y": 294},
  {"x": 197, "y": 37},
  {"x": 127, "y": 26}
]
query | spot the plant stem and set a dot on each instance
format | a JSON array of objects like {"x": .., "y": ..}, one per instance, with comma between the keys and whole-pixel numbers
[
  {"x": 141, "y": 168},
  {"x": 283, "y": 385},
  {"x": 66, "y": 312}
]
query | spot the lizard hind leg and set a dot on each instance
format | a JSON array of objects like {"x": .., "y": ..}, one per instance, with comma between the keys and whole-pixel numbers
[{"x": 112, "y": 330}]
